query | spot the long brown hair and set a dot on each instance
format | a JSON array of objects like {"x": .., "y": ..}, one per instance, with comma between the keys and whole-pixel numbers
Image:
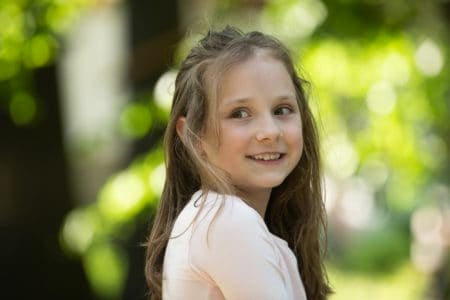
[{"x": 295, "y": 212}]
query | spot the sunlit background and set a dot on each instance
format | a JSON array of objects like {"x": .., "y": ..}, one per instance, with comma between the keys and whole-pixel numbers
[{"x": 85, "y": 92}]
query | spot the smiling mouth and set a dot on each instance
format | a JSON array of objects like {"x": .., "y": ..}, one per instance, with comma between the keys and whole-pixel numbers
[{"x": 266, "y": 156}]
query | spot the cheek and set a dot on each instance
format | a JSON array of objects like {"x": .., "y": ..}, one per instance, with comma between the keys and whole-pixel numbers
[
  {"x": 294, "y": 137},
  {"x": 233, "y": 135}
]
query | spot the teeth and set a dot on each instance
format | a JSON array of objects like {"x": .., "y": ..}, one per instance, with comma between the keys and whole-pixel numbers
[{"x": 267, "y": 156}]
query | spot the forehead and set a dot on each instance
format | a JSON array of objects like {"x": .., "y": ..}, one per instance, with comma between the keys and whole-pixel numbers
[{"x": 260, "y": 75}]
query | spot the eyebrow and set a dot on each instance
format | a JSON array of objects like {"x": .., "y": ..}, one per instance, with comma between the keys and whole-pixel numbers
[{"x": 248, "y": 99}]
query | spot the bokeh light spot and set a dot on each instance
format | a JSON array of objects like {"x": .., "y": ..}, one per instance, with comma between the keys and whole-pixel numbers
[
  {"x": 429, "y": 58},
  {"x": 106, "y": 268},
  {"x": 357, "y": 204},
  {"x": 122, "y": 197},
  {"x": 22, "y": 108},
  {"x": 157, "y": 178},
  {"x": 294, "y": 19},
  {"x": 135, "y": 120},
  {"x": 381, "y": 98},
  {"x": 38, "y": 51},
  {"x": 427, "y": 250},
  {"x": 341, "y": 158},
  {"x": 78, "y": 231},
  {"x": 375, "y": 172},
  {"x": 396, "y": 69},
  {"x": 164, "y": 90},
  {"x": 303, "y": 17}
]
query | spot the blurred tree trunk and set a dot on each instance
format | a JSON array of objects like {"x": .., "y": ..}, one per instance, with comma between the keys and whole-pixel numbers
[
  {"x": 154, "y": 29},
  {"x": 154, "y": 37},
  {"x": 34, "y": 200}
]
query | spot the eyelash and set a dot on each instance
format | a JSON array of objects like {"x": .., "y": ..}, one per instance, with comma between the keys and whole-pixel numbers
[
  {"x": 237, "y": 113},
  {"x": 290, "y": 110}
]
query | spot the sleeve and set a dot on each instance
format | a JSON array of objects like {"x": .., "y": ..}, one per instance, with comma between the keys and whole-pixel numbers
[{"x": 237, "y": 253}]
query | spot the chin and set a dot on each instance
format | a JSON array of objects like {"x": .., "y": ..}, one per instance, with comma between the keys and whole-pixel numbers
[{"x": 272, "y": 183}]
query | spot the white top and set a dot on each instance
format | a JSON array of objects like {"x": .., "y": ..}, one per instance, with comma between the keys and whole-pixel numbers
[{"x": 227, "y": 253}]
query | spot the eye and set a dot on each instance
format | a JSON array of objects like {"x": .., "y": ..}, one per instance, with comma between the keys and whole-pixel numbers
[
  {"x": 239, "y": 114},
  {"x": 284, "y": 110}
]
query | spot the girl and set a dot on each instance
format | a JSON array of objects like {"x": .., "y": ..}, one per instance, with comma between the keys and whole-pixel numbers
[{"x": 241, "y": 215}]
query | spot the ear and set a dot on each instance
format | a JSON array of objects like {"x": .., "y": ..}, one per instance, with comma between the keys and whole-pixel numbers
[{"x": 180, "y": 127}]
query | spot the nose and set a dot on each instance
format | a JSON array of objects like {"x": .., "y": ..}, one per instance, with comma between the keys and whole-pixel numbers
[{"x": 268, "y": 130}]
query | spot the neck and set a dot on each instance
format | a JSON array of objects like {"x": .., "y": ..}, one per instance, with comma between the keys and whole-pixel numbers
[{"x": 258, "y": 200}]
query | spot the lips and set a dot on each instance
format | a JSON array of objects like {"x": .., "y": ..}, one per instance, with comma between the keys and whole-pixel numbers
[{"x": 268, "y": 156}]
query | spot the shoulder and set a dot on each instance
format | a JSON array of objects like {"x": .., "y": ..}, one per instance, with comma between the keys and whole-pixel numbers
[
  {"x": 216, "y": 212},
  {"x": 226, "y": 221},
  {"x": 229, "y": 213}
]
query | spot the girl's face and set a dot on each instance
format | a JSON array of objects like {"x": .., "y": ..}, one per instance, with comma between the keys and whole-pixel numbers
[{"x": 260, "y": 139}]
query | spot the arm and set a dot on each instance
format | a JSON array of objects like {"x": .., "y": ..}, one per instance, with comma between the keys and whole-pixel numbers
[{"x": 239, "y": 254}]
